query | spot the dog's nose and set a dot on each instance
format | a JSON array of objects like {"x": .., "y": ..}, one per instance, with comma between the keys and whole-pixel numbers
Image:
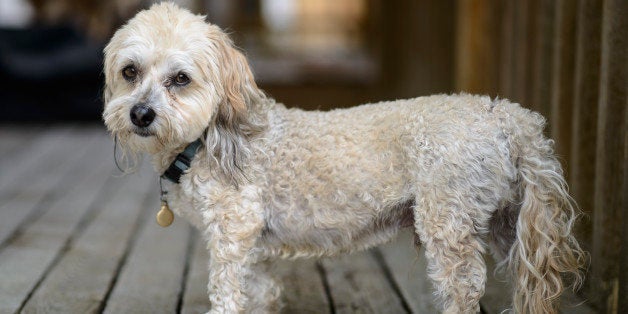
[{"x": 142, "y": 115}]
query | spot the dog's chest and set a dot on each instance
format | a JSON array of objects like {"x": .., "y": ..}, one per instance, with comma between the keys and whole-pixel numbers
[{"x": 184, "y": 205}]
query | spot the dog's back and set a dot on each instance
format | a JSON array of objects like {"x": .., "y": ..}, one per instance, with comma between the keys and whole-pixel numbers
[{"x": 483, "y": 164}]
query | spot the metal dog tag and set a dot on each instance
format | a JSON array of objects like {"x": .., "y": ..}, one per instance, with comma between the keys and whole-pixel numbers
[{"x": 165, "y": 216}]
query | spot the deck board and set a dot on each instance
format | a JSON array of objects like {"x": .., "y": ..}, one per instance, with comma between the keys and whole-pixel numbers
[
  {"x": 25, "y": 259},
  {"x": 408, "y": 269},
  {"x": 151, "y": 280},
  {"x": 36, "y": 186},
  {"x": 195, "y": 298},
  {"x": 14, "y": 139},
  {"x": 44, "y": 152},
  {"x": 303, "y": 286},
  {"x": 75, "y": 237},
  {"x": 358, "y": 285},
  {"x": 81, "y": 279}
]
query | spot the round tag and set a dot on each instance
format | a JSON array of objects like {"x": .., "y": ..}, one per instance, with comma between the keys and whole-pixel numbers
[{"x": 165, "y": 216}]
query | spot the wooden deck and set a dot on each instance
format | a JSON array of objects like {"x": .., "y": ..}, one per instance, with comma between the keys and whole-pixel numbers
[{"x": 76, "y": 237}]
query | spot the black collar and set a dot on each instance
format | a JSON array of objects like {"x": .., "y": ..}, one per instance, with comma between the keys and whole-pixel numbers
[{"x": 182, "y": 162}]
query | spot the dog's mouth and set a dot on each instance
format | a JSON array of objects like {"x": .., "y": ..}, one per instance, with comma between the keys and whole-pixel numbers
[{"x": 143, "y": 132}]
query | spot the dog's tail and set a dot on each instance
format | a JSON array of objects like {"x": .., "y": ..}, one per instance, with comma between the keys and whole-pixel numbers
[{"x": 543, "y": 249}]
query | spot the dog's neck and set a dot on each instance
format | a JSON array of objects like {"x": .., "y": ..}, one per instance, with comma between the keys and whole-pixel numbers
[
  {"x": 163, "y": 158},
  {"x": 181, "y": 162}
]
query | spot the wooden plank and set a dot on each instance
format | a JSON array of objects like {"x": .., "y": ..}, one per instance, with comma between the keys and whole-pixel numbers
[
  {"x": 520, "y": 51},
  {"x": 48, "y": 147},
  {"x": 623, "y": 268},
  {"x": 530, "y": 39},
  {"x": 409, "y": 66},
  {"x": 14, "y": 139},
  {"x": 582, "y": 156},
  {"x": 610, "y": 201},
  {"x": 195, "y": 297},
  {"x": 506, "y": 58},
  {"x": 543, "y": 61},
  {"x": 409, "y": 270},
  {"x": 80, "y": 280},
  {"x": 52, "y": 176},
  {"x": 303, "y": 288},
  {"x": 151, "y": 280},
  {"x": 476, "y": 40},
  {"x": 358, "y": 285},
  {"x": 563, "y": 79},
  {"x": 27, "y": 256}
]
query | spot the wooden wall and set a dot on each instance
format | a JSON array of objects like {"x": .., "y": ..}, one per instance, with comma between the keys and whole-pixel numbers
[
  {"x": 414, "y": 47},
  {"x": 567, "y": 60}
]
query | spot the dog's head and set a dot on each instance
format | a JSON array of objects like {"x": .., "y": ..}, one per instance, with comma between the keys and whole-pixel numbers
[{"x": 171, "y": 78}]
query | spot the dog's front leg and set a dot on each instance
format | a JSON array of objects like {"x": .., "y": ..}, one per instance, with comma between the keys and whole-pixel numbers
[
  {"x": 233, "y": 228},
  {"x": 227, "y": 285}
]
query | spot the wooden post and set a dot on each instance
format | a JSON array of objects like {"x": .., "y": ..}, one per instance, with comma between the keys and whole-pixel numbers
[
  {"x": 610, "y": 202},
  {"x": 531, "y": 35},
  {"x": 543, "y": 61},
  {"x": 562, "y": 81},
  {"x": 520, "y": 52},
  {"x": 582, "y": 156},
  {"x": 476, "y": 42},
  {"x": 506, "y": 63}
]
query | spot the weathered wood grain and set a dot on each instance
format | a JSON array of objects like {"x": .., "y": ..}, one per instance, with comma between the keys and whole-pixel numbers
[
  {"x": 151, "y": 280},
  {"x": 520, "y": 52},
  {"x": 408, "y": 268},
  {"x": 26, "y": 257},
  {"x": 477, "y": 47},
  {"x": 543, "y": 51},
  {"x": 529, "y": 41},
  {"x": 15, "y": 139},
  {"x": 195, "y": 298},
  {"x": 303, "y": 288},
  {"x": 81, "y": 278},
  {"x": 506, "y": 49},
  {"x": 358, "y": 285},
  {"x": 582, "y": 155},
  {"x": 48, "y": 180},
  {"x": 610, "y": 201},
  {"x": 44, "y": 152},
  {"x": 563, "y": 79}
]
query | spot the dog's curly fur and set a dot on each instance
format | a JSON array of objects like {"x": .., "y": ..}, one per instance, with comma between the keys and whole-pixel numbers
[{"x": 461, "y": 170}]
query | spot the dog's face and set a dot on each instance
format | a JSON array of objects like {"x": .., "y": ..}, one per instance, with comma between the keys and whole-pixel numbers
[{"x": 170, "y": 76}]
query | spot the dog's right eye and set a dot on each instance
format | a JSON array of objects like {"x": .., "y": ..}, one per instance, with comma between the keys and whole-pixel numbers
[{"x": 129, "y": 73}]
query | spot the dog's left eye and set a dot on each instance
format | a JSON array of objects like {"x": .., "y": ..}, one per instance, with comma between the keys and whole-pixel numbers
[{"x": 181, "y": 79}]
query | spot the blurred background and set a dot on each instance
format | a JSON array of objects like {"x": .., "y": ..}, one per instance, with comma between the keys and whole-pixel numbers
[{"x": 563, "y": 58}]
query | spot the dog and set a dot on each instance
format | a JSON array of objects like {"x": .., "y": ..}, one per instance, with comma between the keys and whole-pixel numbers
[{"x": 467, "y": 173}]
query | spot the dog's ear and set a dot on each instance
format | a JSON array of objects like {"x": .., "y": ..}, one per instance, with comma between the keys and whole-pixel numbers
[
  {"x": 239, "y": 88},
  {"x": 234, "y": 122}
]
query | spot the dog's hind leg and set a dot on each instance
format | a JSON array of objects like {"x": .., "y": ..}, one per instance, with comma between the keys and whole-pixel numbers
[{"x": 453, "y": 249}]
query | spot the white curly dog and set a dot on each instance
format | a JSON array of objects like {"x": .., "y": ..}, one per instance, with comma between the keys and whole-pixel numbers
[{"x": 268, "y": 182}]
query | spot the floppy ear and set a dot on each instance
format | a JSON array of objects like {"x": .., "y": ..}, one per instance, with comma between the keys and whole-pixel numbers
[
  {"x": 234, "y": 122},
  {"x": 237, "y": 81}
]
